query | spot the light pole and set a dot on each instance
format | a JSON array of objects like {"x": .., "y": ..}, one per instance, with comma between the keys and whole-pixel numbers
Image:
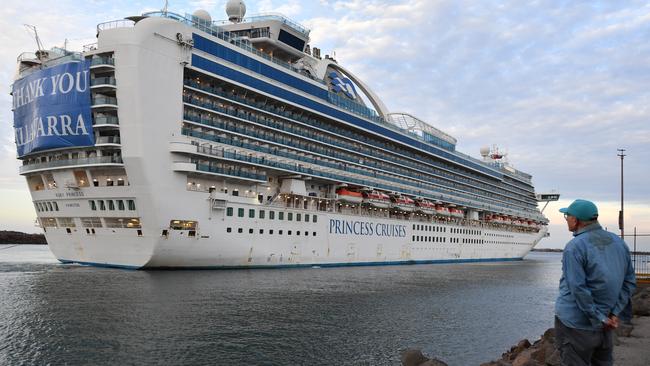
[{"x": 621, "y": 153}]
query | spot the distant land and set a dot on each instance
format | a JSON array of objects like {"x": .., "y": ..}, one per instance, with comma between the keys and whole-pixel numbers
[{"x": 16, "y": 237}]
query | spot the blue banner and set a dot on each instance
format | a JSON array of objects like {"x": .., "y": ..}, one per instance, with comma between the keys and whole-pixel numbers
[{"x": 52, "y": 108}]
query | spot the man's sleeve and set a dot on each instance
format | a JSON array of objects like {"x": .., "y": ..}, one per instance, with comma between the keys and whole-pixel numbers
[
  {"x": 629, "y": 284},
  {"x": 576, "y": 280}
]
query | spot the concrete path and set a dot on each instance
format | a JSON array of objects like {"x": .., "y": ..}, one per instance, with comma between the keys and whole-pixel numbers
[{"x": 634, "y": 350}]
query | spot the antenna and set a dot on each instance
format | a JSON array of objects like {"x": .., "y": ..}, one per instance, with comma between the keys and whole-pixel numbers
[
  {"x": 38, "y": 40},
  {"x": 164, "y": 9}
]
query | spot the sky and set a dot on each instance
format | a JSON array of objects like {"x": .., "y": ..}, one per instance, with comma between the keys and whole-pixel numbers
[{"x": 558, "y": 85}]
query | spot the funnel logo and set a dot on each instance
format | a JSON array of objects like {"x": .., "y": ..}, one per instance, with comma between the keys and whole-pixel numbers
[{"x": 342, "y": 84}]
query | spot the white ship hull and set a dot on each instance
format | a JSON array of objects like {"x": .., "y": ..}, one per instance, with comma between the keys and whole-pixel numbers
[{"x": 211, "y": 246}]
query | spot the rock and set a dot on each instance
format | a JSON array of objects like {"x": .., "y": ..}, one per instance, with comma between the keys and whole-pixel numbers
[
  {"x": 554, "y": 359},
  {"x": 641, "y": 302},
  {"x": 496, "y": 363},
  {"x": 413, "y": 357},
  {"x": 624, "y": 330}
]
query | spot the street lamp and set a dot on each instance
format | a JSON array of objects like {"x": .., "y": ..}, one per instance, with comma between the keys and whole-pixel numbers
[{"x": 621, "y": 153}]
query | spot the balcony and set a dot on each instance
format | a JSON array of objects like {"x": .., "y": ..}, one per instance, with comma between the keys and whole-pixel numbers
[
  {"x": 102, "y": 64},
  {"x": 101, "y": 102},
  {"x": 213, "y": 170},
  {"x": 69, "y": 163},
  {"x": 106, "y": 121},
  {"x": 103, "y": 84},
  {"x": 107, "y": 140}
]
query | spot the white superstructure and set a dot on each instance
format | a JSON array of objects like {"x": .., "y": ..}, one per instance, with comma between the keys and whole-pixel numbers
[{"x": 235, "y": 144}]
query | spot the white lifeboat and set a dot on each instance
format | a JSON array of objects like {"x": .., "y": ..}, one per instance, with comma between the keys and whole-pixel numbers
[
  {"x": 404, "y": 203},
  {"x": 442, "y": 210},
  {"x": 376, "y": 199},
  {"x": 426, "y": 207},
  {"x": 456, "y": 212}
]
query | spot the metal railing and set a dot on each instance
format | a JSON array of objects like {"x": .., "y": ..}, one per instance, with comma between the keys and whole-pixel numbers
[
  {"x": 107, "y": 140},
  {"x": 104, "y": 100},
  {"x": 107, "y": 80},
  {"x": 102, "y": 61},
  {"x": 270, "y": 16},
  {"x": 104, "y": 120},
  {"x": 72, "y": 162},
  {"x": 120, "y": 23},
  {"x": 640, "y": 259}
]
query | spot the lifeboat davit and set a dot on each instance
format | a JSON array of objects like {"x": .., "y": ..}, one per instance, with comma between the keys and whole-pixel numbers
[
  {"x": 349, "y": 196},
  {"x": 404, "y": 203},
  {"x": 376, "y": 199},
  {"x": 426, "y": 207}
]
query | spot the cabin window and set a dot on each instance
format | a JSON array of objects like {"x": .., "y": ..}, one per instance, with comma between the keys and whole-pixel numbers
[
  {"x": 93, "y": 205},
  {"x": 298, "y": 217},
  {"x": 281, "y": 215},
  {"x": 229, "y": 211},
  {"x": 240, "y": 212},
  {"x": 271, "y": 215},
  {"x": 290, "y": 216},
  {"x": 306, "y": 217},
  {"x": 262, "y": 214},
  {"x": 251, "y": 213},
  {"x": 131, "y": 204},
  {"x": 102, "y": 205},
  {"x": 111, "y": 205},
  {"x": 120, "y": 205}
]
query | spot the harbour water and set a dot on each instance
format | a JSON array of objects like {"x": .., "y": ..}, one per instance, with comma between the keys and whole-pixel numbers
[{"x": 464, "y": 314}]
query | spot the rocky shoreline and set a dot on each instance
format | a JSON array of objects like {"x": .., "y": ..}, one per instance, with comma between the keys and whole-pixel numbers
[
  {"x": 16, "y": 237},
  {"x": 630, "y": 345}
]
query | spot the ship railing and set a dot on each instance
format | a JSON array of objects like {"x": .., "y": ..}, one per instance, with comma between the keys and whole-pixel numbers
[
  {"x": 270, "y": 16},
  {"x": 232, "y": 172},
  {"x": 106, "y": 80},
  {"x": 294, "y": 167},
  {"x": 72, "y": 162},
  {"x": 27, "y": 56},
  {"x": 107, "y": 140},
  {"x": 104, "y": 100},
  {"x": 102, "y": 61},
  {"x": 220, "y": 124},
  {"x": 106, "y": 120},
  {"x": 214, "y": 29},
  {"x": 113, "y": 24},
  {"x": 90, "y": 47}
]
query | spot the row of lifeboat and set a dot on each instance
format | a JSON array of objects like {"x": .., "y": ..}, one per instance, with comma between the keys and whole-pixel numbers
[
  {"x": 382, "y": 200},
  {"x": 509, "y": 220},
  {"x": 403, "y": 203}
]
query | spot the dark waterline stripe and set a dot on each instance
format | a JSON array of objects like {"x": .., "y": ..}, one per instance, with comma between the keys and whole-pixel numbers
[{"x": 279, "y": 266}]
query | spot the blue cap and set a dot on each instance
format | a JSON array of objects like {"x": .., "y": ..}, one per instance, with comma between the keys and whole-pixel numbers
[{"x": 582, "y": 210}]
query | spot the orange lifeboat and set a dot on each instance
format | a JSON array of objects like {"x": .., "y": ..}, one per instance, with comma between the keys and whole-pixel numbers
[{"x": 349, "y": 196}]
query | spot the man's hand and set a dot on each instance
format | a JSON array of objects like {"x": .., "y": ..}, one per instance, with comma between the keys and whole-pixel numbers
[{"x": 611, "y": 323}]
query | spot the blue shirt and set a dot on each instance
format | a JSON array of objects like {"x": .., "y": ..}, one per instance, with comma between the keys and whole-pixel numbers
[{"x": 597, "y": 278}]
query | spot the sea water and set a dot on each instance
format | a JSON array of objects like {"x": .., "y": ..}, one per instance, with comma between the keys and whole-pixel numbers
[{"x": 463, "y": 314}]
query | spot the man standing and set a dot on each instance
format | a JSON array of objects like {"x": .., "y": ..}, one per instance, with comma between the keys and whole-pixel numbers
[{"x": 596, "y": 285}]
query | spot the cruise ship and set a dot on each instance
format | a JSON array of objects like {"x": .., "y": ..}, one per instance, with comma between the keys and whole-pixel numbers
[{"x": 176, "y": 141}]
